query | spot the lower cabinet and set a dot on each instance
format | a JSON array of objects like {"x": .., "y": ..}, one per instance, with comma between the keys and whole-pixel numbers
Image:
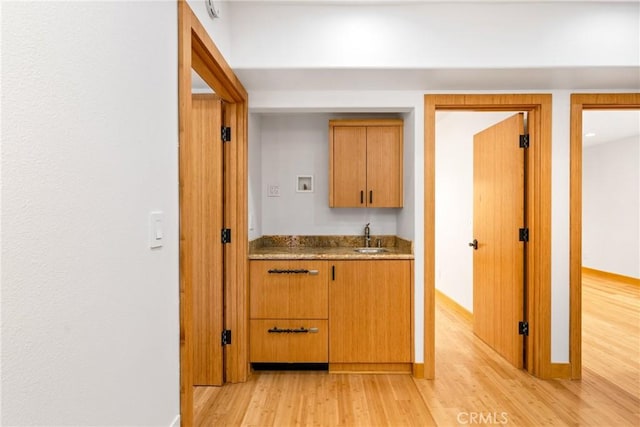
[
  {"x": 370, "y": 312},
  {"x": 288, "y": 308},
  {"x": 352, "y": 314}
]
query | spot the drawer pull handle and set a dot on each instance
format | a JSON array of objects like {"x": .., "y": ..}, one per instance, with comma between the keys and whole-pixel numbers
[
  {"x": 297, "y": 271},
  {"x": 301, "y": 330}
]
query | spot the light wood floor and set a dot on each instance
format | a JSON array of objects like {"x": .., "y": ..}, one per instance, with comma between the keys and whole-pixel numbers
[{"x": 473, "y": 386}]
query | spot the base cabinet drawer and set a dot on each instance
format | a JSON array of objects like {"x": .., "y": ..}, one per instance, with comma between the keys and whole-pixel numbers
[
  {"x": 289, "y": 341},
  {"x": 289, "y": 289}
]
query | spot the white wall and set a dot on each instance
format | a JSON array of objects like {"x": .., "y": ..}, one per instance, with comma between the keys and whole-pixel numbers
[
  {"x": 611, "y": 207},
  {"x": 298, "y": 144},
  {"x": 454, "y": 200},
  {"x": 406, "y": 216},
  {"x": 255, "y": 186},
  {"x": 219, "y": 29},
  {"x": 90, "y": 322}
]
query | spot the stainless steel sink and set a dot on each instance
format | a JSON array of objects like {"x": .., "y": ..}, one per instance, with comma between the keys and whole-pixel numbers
[{"x": 370, "y": 250}]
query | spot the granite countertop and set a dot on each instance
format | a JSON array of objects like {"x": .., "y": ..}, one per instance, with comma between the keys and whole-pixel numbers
[{"x": 327, "y": 247}]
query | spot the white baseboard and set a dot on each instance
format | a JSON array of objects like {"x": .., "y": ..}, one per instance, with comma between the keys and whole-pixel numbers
[{"x": 176, "y": 422}]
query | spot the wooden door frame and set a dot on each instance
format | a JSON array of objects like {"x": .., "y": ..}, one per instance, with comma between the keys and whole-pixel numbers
[
  {"x": 538, "y": 214},
  {"x": 579, "y": 103},
  {"x": 196, "y": 50}
]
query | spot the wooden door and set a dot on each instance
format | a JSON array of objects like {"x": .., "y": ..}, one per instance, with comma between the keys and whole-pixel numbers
[
  {"x": 370, "y": 312},
  {"x": 206, "y": 208},
  {"x": 384, "y": 166},
  {"x": 349, "y": 166},
  {"x": 498, "y": 215}
]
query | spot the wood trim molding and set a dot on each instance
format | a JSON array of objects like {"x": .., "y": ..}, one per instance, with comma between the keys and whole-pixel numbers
[
  {"x": 196, "y": 50},
  {"x": 466, "y": 314},
  {"x": 579, "y": 103},
  {"x": 366, "y": 122},
  {"x": 418, "y": 370},
  {"x": 412, "y": 287},
  {"x": 605, "y": 275},
  {"x": 429, "y": 236},
  {"x": 539, "y": 217},
  {"x": 560, "y": 371},
  {"x": 371, "y": 368}
]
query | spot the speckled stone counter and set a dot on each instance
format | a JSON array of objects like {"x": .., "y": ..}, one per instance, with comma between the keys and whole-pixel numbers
[{"x": 327, "y": 247}]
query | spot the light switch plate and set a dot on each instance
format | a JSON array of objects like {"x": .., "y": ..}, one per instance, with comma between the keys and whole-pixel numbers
[{"x": 156, "y": 232}]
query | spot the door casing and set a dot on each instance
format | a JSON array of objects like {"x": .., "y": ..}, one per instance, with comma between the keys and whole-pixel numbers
[
  {"x": 197, "y": 51},
  {"x": 579, "y": 103},
  {"x": 538, "y": 107}
]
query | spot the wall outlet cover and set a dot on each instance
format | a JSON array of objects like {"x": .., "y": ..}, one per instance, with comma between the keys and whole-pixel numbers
[{"x": 273, "y": 190}]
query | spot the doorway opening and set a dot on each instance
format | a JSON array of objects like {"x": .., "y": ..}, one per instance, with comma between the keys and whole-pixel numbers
[
  {"x": 205, "y": 251},
  {"x": 579, "y": 104},
  {"x": 480, "y": 181},
  {"x": 538, "y": 213}
]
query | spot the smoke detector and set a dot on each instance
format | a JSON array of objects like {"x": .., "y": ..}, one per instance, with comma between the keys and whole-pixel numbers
[{"x": 213, "y": 10}]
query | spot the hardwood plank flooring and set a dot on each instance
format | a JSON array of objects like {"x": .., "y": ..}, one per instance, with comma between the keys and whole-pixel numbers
[
  {"x": 474, "y": 385},
  {"x": 313, "y": 399},
  {"x": 611, "y": 331}
]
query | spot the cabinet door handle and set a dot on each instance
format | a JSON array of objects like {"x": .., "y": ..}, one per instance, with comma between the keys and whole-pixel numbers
[
  {"x": 333, "y": 272},
  {"x": 294, "y": 271},
  {"x": 370, "y": 196},
  {"x": 300, "y": 330},
  {"x": 361, "y": 197}
]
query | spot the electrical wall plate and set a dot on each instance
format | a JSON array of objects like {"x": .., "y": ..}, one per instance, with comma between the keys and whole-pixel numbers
[
  {"x": 273, "y": 190},
  {"x": 213, "y": 10},
  {"x": 156, "y": 231}
]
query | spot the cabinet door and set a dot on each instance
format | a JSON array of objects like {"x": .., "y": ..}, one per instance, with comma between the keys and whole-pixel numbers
[
  {"x": 348, "y": 167},
  {"x": 288, "y": 289},
  {"x": 384, "y": 166},
  {"x": 370, "y": 312}
]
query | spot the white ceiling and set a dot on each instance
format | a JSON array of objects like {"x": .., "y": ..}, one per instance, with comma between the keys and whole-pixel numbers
[
  {"x": 420, "y": 1},
  {"x": 609, "y": 126}
]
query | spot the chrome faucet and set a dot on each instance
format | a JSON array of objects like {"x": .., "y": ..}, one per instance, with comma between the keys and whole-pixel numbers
[{"x": 367, "y": 235}]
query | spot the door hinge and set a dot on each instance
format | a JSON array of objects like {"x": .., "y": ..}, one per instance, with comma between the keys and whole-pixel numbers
[
  {"x": 523, "y": 234},
  {"x": 226, "y": 235},
  {"x": 226, "y": 134},
  {"x": 226, "y": 337},
  {"x": 524, "y": 141},
  {"x": 523, "y": 328}
]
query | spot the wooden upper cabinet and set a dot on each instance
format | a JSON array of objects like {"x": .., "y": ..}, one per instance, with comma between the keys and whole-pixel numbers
[
  {"x": 349, "y": 177},
  {"x": 384, "y": 166},
  {"x": 365, "y": 163}
]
